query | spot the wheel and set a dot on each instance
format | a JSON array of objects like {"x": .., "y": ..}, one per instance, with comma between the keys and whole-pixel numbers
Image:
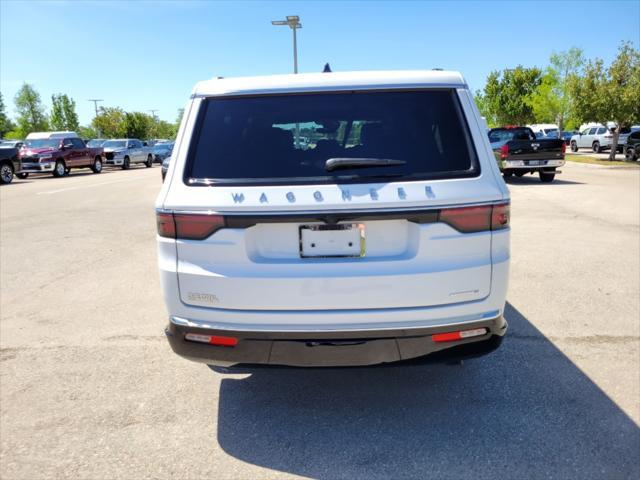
[
  {"x": 126, "y": 163},
  {"x": 520, "y": 173},
  {"x": 547, "y": 177},
  {"x": 149, "y": 162},
  {"x": 22, "y": 176},
  {"x": 596, "y": 147},
  {"x": 630, "y": 155},
  {"x": 97, "y": 166},
  {"x": 6, "y": 173},
  {"x": 59, "y": 169},
  {"x": 574, "y": 146}
]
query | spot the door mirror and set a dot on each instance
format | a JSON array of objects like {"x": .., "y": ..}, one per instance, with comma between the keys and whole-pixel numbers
[
  {"x": 131, "y": 146},
  {"x": 67, "y": 145}
]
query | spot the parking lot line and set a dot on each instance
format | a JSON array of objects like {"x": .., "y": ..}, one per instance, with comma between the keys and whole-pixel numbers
[{"x": 60, "y": 190}]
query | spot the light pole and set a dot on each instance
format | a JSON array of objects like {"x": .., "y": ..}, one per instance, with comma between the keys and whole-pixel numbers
[
  {"x": 293, "y": 21},
  {"x": 95, "y": 104}
]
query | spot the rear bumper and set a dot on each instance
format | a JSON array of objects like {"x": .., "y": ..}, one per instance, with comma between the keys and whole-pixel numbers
[
  {"x": 334, "y": 348},
  {"x": 531, "y": 164}
]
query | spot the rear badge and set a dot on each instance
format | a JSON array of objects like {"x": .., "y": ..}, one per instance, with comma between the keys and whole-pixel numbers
[
  {"x": 202, "y": 298},
  {"x": 401, "y": 193}
]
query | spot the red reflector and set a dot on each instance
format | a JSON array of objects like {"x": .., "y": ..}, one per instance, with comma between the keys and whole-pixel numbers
[
  {"x": 467, "y": 219},
  {"x": 212, "y": 339},
  {"x": 504, "y": 151},
  {"x": 166, "y": 226},
  {"x": 500, "y": 216},
  {"x": 197, "y": 227},
  {"x": 564, "y": 148},
  {"x": 453, "y": 336}
]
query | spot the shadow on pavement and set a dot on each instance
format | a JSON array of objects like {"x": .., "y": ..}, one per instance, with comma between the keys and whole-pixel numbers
[
  {"x": 535, "y": 180},
  {"x": 523, "y": 411}
]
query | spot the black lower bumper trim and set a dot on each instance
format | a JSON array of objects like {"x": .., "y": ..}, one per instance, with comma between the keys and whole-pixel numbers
[{"x": 340, "y": 349}]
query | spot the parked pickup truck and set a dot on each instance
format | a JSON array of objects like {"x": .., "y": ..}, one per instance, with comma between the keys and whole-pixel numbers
[
  {"x": 125, "y": 151},
  {"x": 57, "y": 154},
  {"x": 9, "y": 163},
  {"x": 518, "y": 151}
]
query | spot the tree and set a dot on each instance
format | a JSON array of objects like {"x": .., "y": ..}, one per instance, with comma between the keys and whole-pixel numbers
[
  {"x": 110, "y": 122},
  {"x": 31, "y": 114},
  {"x": 6, "y": 125},
  {"x": 551, "y": 100},
  {"x": 483, "y": 105},
  {"x": 87, "y": 132},
  {"x": 138, "y": 125},
  {"x": 63, "y": 113},
  {"x": 506, "y": 96},
  {"x": 604, "y": 94}
]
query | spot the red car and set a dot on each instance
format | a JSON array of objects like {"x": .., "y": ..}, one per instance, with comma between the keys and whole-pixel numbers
[{"x": 58, "y": 154}]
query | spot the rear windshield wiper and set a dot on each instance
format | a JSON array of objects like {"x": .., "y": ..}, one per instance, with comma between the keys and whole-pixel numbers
[{"x": 337, "y": 163}]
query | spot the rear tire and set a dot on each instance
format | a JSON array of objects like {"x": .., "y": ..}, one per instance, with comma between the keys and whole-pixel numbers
[
  {"x": 520, "y": 173},
  {"x": 596, "y": 147},
  {"x": 97, "y": 166},
  {"x": 6, "y": 173},
  {"x": 149, "y": 162},
  {"x": 547, "y": 177},
  {"x": 630, "y": 155},
  {"x": 126, "y": 163},
  {"x": 22, "y": 176},
  {"x": 60, "y": 169},
  {"x": 574, "y": 147}
]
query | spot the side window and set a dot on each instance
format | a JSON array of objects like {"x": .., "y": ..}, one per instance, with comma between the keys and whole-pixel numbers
[
  {"x": 601, "y": 131},
  {"x": 136, "y": 143},
  {"x": 592, "y": 131},
  {"x": 77, "y": 143},
  {"x": 635, "y": 135}
]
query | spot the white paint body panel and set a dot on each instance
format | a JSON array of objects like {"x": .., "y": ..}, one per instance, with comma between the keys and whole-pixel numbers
[{"x": 412, "y": 274}]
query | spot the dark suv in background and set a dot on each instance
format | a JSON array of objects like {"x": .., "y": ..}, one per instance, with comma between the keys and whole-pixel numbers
[{"x": 632, "y": 147}]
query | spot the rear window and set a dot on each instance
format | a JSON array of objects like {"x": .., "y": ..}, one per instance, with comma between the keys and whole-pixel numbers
[{"x": 289, "y": 138}]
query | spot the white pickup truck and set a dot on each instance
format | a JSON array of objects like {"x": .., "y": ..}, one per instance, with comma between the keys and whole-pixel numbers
[{"x": 126, "y": 151}]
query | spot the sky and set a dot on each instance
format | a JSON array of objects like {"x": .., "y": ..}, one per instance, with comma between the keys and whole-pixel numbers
[{"x": 142, "y": 55}]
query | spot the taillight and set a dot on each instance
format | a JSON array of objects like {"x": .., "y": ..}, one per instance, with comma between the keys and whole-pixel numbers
[
  {"x": 564, "y": 148},
  {"x": 504, "y": 151},
  {"x": 187, "y": 226},
  {"x": 500, "y": 216},
  {"x": 212, "y": 339},
  {"x": 476, "y": 219}
]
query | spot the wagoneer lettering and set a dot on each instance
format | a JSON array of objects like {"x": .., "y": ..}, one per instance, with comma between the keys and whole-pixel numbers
[{"x": 307, "y": 205}]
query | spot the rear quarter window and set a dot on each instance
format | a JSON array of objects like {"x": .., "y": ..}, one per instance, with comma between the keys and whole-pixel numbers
[{"x": 285, "y": 139}]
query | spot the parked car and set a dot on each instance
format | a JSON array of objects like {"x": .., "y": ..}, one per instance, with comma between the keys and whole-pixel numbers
[
  {"x": 96, "y": 142},
  {"x": 624, "y": 135},
  {"x": 125, "y": 151},
  {"x": 11, "y": 143},
  {"x": 161, "y": 151},
  {"x": 57, "y": 153},
  {"x": 632, "y": 146},
  {"x": 519, "y": 152},
  {"x": 545, "y": 130},
  {"x": 9, "y": 163},
  {"x": 387, "y": 240},
  {"x": 566, "y": 136},
  {"x": 596, "y": 138},
  {"x": 165, "y": 167}
]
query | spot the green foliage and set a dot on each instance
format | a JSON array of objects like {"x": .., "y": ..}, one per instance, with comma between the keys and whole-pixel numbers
[
  {"x": 5, "y": 124},
  {"x": 551, "y": 101},
  {"x": 602, "y": 94},
  {"x": 506, "y": 96},
  {"x": 110, "y": 122},
  {"x": 31, "y": 114},
  {"x": 485, "y": 111},
  {"x": 138, "y": 125},
  {"x": 87, "y": 132}
]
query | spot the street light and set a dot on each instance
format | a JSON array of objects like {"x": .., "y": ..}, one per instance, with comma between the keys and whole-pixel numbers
[{"x": 293, "y": 21}]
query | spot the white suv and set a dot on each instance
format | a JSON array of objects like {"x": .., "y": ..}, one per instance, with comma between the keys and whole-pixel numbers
[
  {"x": 595, "y": 138},
  {"x": 383, "y": 236}
]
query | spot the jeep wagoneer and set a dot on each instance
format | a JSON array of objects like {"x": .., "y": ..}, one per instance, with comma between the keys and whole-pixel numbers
[{"x": 333, "y": 219}]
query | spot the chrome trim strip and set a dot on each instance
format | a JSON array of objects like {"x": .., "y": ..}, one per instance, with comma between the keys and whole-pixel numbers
[
  {"x": 467, "y": 319},
  {"x": 330, "y": 211}
]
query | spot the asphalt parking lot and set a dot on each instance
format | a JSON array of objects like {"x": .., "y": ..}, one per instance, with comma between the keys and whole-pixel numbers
[{"x": 90, "y": 389}]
